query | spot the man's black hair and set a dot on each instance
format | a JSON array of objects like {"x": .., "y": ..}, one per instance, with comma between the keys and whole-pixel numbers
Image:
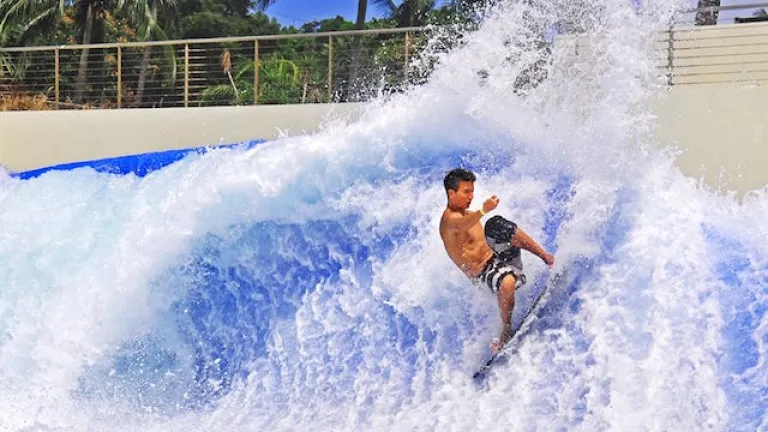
[{"x": 452, "y": 179}]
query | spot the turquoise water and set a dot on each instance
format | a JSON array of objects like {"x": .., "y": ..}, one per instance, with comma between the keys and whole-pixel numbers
[{"x": 301, "y": 284}]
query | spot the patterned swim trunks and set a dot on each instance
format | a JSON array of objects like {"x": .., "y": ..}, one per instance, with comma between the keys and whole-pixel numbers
[{"x": 506, "y": 258}]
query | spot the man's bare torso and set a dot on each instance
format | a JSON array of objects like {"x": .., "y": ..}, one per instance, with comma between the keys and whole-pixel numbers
[{"x": 467, "y": 249}]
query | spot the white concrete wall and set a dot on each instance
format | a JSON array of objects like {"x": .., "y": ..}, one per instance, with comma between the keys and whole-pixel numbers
[
  {"x": 36, "y": 139},
  {"x": 716, "y": 111},
  {"x": 722, "y": 131}
]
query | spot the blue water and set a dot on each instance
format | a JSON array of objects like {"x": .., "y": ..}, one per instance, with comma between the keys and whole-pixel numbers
[
  {"x": 301, "y": 284},
  {"x": 279, "y": 316}
]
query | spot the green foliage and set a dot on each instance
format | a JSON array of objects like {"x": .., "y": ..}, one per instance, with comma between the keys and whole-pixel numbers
[
  {"x": 213, "y": 24},
  {"x": 290, "y": 71},
  {"x": 224, "y": 94},
  {"x": 279, "y": 83},
  {"x": 408, "y": 13},
  {"x": 232, "y": 8},
  {"x": 327, "y": 25}
]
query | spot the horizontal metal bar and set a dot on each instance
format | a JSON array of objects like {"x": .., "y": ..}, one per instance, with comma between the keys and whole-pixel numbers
[
  {"x": 719, "y": 73},
  {"x": 37, "y": 89},
  {"x": 715, "y": 55},
  {"x": 219, "y": 40},
  {"x": 725, "y": 8},
  {"x": 720, "y": 64},
  {"x": 730, "y": 81},
  {"x": 714, "y": 37},
  {"x": 686, "y": 29},
  {"x": 180, "y": 95},
  {"x": 674, "y": 48}
]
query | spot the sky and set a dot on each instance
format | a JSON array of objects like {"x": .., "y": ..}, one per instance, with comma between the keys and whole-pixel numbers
[
  {"x": 728, "y": 16},
  {"x": 297, "y": 12}
]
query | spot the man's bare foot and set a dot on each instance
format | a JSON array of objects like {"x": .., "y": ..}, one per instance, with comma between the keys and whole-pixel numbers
[
  {"x": 502, "y": 340},
  {"x": 548, "y": 259}
]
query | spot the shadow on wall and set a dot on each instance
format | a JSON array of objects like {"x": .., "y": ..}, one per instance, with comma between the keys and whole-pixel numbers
[{"x": 139, "y": 164}]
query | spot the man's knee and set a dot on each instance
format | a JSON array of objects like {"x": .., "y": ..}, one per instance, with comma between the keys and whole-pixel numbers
[{"x": 507, "y": 287}]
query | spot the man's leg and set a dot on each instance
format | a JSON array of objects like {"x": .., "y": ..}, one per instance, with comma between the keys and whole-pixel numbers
[
  {"x": 500, "y": 231},
  {"x": 506, "y": 297},
  {"x": 524, "y": 241}
]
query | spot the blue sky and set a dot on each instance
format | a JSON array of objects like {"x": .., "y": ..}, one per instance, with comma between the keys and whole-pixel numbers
[{"x": 297, "y": 12}]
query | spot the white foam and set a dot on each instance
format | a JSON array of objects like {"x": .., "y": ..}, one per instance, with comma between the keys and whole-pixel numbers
[{"x": 87, "y": 263}]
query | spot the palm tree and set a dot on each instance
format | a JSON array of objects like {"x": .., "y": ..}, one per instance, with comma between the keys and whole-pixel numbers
[
  {"x": 144, "y": 15},
  {"x": 409, "y": 13},
  {"x": 88, "y": 11},
  {"x": 707, "y": 17},
  {"x": 37, "y": 16},
  {"x": 362, "y": 8},
  {"x": 354, "y": 66}
]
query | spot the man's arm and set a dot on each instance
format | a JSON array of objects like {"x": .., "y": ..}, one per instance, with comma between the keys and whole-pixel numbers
[
  {"x": 524, "y": 241},
  {"x": 457, "y": 221}
]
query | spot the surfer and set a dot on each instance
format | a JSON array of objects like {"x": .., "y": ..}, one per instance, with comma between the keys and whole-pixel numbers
[{"x": 489, "y": 257}]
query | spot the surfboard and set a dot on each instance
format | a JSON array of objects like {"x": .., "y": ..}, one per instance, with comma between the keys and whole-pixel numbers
[{"x": 527, "y": 320}]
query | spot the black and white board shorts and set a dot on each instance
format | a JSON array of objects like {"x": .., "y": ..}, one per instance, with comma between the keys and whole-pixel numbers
[{"x": 506, "y": 258}]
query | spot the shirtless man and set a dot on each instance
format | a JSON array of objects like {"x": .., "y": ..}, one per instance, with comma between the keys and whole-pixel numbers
[{"x": 489, "y": 256}]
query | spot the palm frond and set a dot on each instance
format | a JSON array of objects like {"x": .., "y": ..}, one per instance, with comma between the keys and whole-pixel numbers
[
  {"x": 36, "y": 20},
  {"x": 14, "y": 13},
  {"x": 168, "y": 53},
  {"x": 148, "y": 20},
  {"x": 218, "y": 93},
  {"x": 244, "y": 67},
  {"x": 6, "y": 65},
  {"x": 21, "y": 17},
  {"x": 262, "y": 5},
  {"x": 387, "y": 7}
]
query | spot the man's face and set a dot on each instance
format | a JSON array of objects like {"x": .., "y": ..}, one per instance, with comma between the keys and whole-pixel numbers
[{"x": 462, "y": 197}]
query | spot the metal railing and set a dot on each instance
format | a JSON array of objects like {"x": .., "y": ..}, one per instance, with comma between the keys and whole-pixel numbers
[
  {"x": 713, "y": 15},
  {"x": 719, "y": 48},
  {"x": 321, "y": 67},
  {"x": 300, "y": 68}
]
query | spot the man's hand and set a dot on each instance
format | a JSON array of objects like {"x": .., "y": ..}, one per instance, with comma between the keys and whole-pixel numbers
[
  {"x": 490, "y": 204},
  {"x": 549, "y": 259}
]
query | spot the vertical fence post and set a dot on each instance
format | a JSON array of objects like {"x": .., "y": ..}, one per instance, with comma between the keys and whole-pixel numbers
[
  {"x": 330, "y": 67},
  {"x": 670, "y": 55},
  {"x": 56, "y": 75},
  {"x": 119, "y": 77},
  {"x": 256, "y": 72},
  {"x": 186, "y": 75},
  {"x": 407, "y": 52}
]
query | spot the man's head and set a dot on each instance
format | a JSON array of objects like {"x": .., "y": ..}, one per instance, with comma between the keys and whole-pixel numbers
[{"x": 460, "y": 188}]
